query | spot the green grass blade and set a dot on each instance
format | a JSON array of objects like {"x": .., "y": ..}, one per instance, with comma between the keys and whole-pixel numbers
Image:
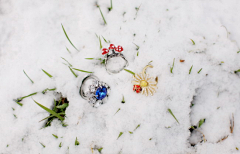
[
  {"x": 55, "y": 135},
  {"x": 117, "y": 111},
  {"x": 50, "y": 76},
  {"x": 129, "y": 71},
  {"x": 68, "y": 38},
  {"x": 199, "y": 71},
  {"x": 68, "y": 50},
  {"x": 99, "y": 150},
  {"x": 28, "y": 76},
  {"x": 20, "y": 99},
  {"x": 130, "y": 132},
  {"x": 190, "y": 70},
  {"x": 104, "y": 39},
  {"x": 137, "y": 127},
  {"x": 136, "y": 46},
  {"x": 102, "y": 15},
  {"x": 73, "y": 72},
  {"x": 19, "y": 103},
  {"x": 201, "y": 122},
  {"x": 192, "y": 42},
  {"x": 67, "y": 62},
  {"x": 120, "y": 134},
  {"x": 237, "y": 71},
  {"x": 81, "y": 70},
  {"x": 45, "y": 90},
  {"x": 110, "y": 8},
  {"x": 100, "y": 42},
  {"x": 47, "y": 118},
  {"x": 170, "y": 111},
  {"x": 171, "y": 68},
  {"x": 42, "y": 144},
  {"x": 76, "y": 142},
  {"x": 49, "y": 111},
  {"x": 60, "y": 145},
  {"x": 89, "y": 58}
]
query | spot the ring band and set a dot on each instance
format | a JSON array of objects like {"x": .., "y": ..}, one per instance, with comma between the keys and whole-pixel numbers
[
  {"x": 97, "y": 93},
  {"x": 115, "y": 53}
]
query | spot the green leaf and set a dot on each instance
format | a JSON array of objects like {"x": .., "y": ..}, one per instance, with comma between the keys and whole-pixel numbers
[
  {"x": 102, "y": 15},
  {"x": 73, "y": 72},
  {"x": 120, "y": 134},
  {"x": 76, "y": 142},
  {"x": 130, "y": 71},
  {"x": 190, "y": 69},
  {"x": 81, "y": 70},
  {"x": 63, "y": 106},
  {"x": 89, "y": 58},
  {"x": 68, "y": 38},
  {"x": 130, "y": 132},
  {"x": 170, "y": 111},
  {"x": 137, "y": 53},
  {"x": 55, "y": 135},
  {"x": 99, "y": 150},
  {"x": 67, "y": 62},
  {"x": 150, "y": 139},
  {"x": 201, "y": 122},
  {"x": 238, "y": 52},
  {"x": 42, "y": 144},
  {"x": 28, "y": 76},
  {"x": 50, "y": 76},
  {"x": 192, "y": 42},
  {"x": 50, "y": 111},
  {"x": 137, "y": 127},
  {"x": 199, "y": 70}
]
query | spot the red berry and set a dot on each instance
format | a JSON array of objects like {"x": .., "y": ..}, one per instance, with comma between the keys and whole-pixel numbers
[
  {"x": 105, "y": 51},
  {"x": 119, "y": 48},
  {"x": 112, "y": 46},
  {"x": 137, "y": 88}
]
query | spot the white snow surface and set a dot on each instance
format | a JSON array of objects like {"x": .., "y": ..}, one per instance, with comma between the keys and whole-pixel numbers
[{"x": 32, "y": 39}]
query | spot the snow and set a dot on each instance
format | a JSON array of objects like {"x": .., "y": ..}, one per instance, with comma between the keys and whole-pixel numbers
[{"x": 32, "y": 39}]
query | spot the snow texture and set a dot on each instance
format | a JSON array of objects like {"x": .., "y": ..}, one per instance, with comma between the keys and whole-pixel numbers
[{"x": 32, "y": 39}]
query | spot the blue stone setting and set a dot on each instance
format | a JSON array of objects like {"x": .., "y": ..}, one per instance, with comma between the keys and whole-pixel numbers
[{"x": 101, "y": 93}]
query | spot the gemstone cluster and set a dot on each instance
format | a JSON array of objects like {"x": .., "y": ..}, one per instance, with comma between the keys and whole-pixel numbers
[{"x": 98, "y": 91}]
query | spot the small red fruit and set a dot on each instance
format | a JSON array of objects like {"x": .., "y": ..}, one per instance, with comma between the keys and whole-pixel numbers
[
  {"x": 137, "y": 88},
  {"x": 112, "y": 46},
  {"x": 105, "y": 51},
  {"x": 119, "y": 48}
]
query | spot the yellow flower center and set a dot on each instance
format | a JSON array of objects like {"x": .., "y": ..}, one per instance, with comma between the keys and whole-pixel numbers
[{"x": 143, "y": 83}]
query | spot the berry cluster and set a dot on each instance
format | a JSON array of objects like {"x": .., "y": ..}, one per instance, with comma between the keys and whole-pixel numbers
[
  {"x": 137, "y": 88},
  {"x": 112, "y": 47}
]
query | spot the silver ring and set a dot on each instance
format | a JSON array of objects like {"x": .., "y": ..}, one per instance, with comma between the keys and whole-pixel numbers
[
  {"x": 97, "y": 93},
  {"x": 113, "y": 64}
]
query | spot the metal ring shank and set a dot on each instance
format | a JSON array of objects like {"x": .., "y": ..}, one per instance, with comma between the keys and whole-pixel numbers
[
  {"x": 81, "y": 92},
  {"x": 112, "y": 56}
]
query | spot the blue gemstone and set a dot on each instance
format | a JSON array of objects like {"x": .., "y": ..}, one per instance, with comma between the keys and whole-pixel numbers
[{"x": 101, "y": 93}]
